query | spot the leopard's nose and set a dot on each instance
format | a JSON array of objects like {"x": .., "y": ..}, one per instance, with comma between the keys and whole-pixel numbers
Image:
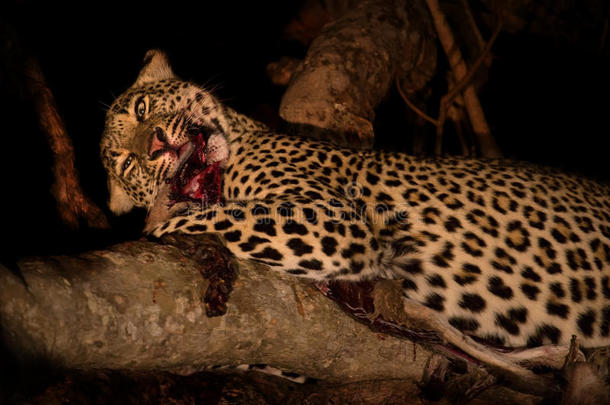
[{"x": 158, "y": 144}]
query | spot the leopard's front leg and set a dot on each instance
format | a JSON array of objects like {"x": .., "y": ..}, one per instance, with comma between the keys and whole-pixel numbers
[
  {"x": 310, "y": 239},
  {"x": 216, "y": 264}
]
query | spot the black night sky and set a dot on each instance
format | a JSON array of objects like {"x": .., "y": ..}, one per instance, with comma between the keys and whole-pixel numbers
[{"x": 546, "y": 100}]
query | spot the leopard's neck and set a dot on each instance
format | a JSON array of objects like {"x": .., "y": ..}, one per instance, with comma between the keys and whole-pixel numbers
[{"x": 235, "y": 126}]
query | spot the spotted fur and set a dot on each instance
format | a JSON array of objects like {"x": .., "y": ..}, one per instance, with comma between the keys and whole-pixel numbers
[{"x": 502, "y": 250}]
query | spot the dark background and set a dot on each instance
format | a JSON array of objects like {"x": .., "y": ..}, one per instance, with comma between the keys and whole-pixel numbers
[{"x": 547, "y": 99}]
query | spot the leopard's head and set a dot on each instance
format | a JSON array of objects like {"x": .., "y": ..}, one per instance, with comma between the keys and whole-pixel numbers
[{"x": 161, "y": 133}]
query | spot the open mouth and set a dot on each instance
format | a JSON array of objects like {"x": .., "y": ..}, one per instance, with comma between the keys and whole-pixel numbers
[{"x": 196, "y": 179}]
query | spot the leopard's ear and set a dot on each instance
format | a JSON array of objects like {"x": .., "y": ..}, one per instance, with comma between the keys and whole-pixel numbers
[
  {"x": 156, "y": 67},
  {"x": 119, "y": 202}
]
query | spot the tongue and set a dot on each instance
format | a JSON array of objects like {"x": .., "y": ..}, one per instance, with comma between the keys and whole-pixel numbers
[{"x": 205, "y": 186}]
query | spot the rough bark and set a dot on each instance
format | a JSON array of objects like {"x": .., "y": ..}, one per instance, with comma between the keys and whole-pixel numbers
[
  {"x": 138, "y": 306},
  {"x": 351, "y": 65}
]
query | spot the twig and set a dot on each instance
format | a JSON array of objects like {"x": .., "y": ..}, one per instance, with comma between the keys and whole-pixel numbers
[
  {"x": 413, "y": 106},
  {"x": 486, "y": 142},
  {"x": 447, "y": 99},
  {"x": 466, "y": 80}
]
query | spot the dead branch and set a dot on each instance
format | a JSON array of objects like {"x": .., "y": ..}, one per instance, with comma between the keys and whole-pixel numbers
[
  {"x": 457, "y": 90},
  {"x": 466, "y": 80},
  {"x": 486, "y": 142},
  {"x": 454, "y": 91},
  {"x": 72, "y": 203}
]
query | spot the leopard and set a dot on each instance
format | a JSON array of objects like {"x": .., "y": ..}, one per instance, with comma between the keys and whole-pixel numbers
[{"x": 502, "y": 250}]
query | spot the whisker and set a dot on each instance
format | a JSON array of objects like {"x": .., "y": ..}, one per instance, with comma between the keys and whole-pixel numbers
[{"x": 105, "y": 106}]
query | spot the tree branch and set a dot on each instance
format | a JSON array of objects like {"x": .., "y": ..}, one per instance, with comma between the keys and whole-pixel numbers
[
  {"x": 486, "y": 142},
  {"x": 138, "y": 306},
  {"x": 349, "y": 69},
  {"x": 72, "y": 203}
]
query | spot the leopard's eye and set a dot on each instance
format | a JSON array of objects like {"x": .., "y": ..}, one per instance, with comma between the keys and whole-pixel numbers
[
  {"x": 128, "y": 161},
  {"x": 140, "y": 109}
]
